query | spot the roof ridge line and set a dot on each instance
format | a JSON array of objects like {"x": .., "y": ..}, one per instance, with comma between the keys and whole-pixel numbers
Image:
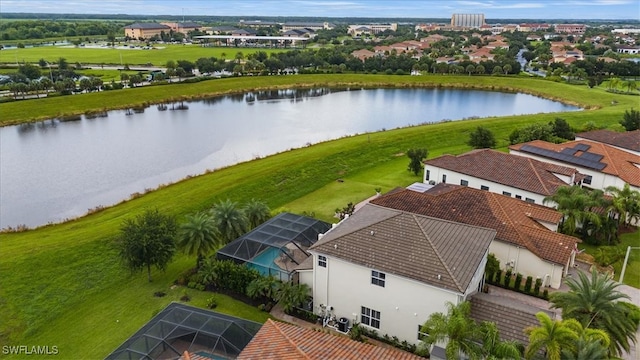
[
  {"x": 535, "y": 171},
  {"x": 525, "y": 241},
  {"x": 275, "y": 324},
  {"x": 435, "y": 250}
]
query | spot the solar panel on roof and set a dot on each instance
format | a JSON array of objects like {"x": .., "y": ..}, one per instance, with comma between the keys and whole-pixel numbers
[
  {"x": 568, "y": 151},
  {"x": 575, "y": 160},
  {"x": 582, "y": 147},
  {"x": 591, "y": 156}
]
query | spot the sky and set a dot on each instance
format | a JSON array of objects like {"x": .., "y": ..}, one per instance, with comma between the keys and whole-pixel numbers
[{"x": 253, "y": 9}]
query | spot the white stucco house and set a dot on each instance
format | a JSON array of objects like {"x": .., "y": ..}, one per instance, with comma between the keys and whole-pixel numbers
[
  {"x": 603, "y": 165},
  {"x": 519, "y": 177},
  {"x": 388, "y": 269},
  {"x": 526, "y": 241}
]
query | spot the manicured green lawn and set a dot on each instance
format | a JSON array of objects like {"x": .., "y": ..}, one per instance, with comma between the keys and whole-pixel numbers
[
  {"x": 63, "y": 284},
  {"x": 114, "y": 56},
  {"x": 632, "y": 272}
]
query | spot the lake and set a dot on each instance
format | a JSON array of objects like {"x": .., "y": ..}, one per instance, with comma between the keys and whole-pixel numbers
[{"x": 60, "y": 168}]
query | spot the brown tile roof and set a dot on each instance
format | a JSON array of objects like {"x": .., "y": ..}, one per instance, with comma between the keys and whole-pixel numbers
[
  {"x": 281, "y": 341},
  {"x": 511, "y": 317},
  {"x": 618, "y": 162},
  {"x": 437, "y": 252},
  {"x": 513, "y": 219},
  {"x": 511, "y": 170},
  {"x": 626, "y": 140}
]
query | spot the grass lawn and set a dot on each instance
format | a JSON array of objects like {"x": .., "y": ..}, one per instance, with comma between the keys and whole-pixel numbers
[
  {"x": 632, "y": 272},
  {"x": 63, "y": 284},
  {"x": 114, "y": 56}
]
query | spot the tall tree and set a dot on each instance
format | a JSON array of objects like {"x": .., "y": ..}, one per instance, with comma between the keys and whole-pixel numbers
[
  {"x": 230, "y": 220},
  {"x": 493, "y": 348},
  {"x": 462, "y": 334},
  {"x": 481, "y": 138},
  {"x": 290, "y": 295},
  {"x": 147, "y": 240},
  {"x": 551, "y": 336},
  {"x": 574, "y": 202},
  {"x": 626, "y": 202},
  {"x": 596, "y": 303},
  {"x": 416, "y": 156},
  {"x": 198, "y": 236},
  {"x": 256, "y": 213}
]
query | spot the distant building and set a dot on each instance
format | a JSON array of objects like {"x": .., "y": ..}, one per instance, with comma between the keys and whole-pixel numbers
[
  {"x": 629, "y": 50},
  {"x": 357, "y": 30},
  {"x": 571, "y": 28},
  {"x": 145, "y": 30},
  {"x": 469, "y": 21},
  {"x": 183, "y": 27},
  {"x": 257, "y": 23},
  {"x": 311, "y": 26}
]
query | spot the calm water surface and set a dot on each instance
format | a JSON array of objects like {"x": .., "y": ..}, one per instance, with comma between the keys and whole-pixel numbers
[{"x": 54, "y": 170}]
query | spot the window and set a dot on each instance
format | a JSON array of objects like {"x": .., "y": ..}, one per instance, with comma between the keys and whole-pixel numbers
[
  {"x": 587, "y": 180},
  {"x": 444, "y": 178},
  {"x": 518, "y": 197},
  {"x": 530, "y": 200},
  {"x": 421, "y": 334},
  {"x": 506, "y": 193},
  {"x": 482, "y": 187},
  {"x": 377, "y": 278},
  {"x": 464, "y": 183},
  {"x": 370, "y": 317},
  {"x": 322, "y": 261},
  {"x": 427, "y": 176}
]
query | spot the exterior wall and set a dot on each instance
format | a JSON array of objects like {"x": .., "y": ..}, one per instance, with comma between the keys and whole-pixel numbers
[
  {"x": 403, "y": 304},
  {"x": 527, "y": 264},
  {"x": 305, "y": 277},
  {"x": 144, "y": 33},
  {"x": 435, "y": 174},
  {"x": 599, "y": 180},
  {"x": 467, "y": 20}
]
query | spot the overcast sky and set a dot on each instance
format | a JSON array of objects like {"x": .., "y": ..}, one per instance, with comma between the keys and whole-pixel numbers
[{"x": 253, "y": 9}]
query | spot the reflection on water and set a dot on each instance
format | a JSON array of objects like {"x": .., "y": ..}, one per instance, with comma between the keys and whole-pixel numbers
[{"x": 60, "y": 168}]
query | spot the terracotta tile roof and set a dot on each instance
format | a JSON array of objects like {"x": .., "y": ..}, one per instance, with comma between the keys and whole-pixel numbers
[
  {"x": 281, "y": 341},
  {"x": 437, "y": 252},
  {"x": 523, "y": 173},
  {"x": 620, "y": 163},
  {"x": 513, "y": 219},
  {"x": 626, "y": 140}
]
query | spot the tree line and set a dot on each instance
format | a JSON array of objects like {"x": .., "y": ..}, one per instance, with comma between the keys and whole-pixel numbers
[{"x": 42, "y": 29}]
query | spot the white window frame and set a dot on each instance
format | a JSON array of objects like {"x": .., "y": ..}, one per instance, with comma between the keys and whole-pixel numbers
[
  {"x": 322, "y": 261},
  {"x": 370, "y": 317},
  {"x": 378, "y": 278}
]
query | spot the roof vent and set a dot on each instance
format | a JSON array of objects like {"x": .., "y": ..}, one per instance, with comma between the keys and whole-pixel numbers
[
  {"x": 335, "y": 246},
  {"x": 373, "y": 232},
  {"x": 439, "y": 276}
]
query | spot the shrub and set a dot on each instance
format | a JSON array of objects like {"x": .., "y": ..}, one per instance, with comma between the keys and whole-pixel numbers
[
  {"x": 212, "y": 303},
  {"x": 507, "y": 279},
  {"x": 527, "y": 284},
  {"x": 518, "y": 283},
  {"x": 498, "y": 278},
  {"x": 356, "y": 333},
  {"x": 536, "y": 289},
  {"x": 159, "y": 293},
  {"x": 545, "y": 294},
  {"x": 185, "y": 297}
]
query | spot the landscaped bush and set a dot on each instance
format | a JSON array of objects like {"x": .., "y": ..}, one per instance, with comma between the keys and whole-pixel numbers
[
  {"x": 536, "y": 289},
  {"x": 498, "y": 278},
  {"x": 527, "y": 285},
  {"x": 225, "y": 275},
  {"x": 507, "y": 279},
  {"x": 518, "y": 284}
]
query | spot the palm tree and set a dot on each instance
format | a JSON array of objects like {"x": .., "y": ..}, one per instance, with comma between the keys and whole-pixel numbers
[
  {"x": 290, "y": 295},
  {"x": 614, "y": 83},
  {"x": 256, "y": 213},
  {"x": 551, "y": 335},
  {"x": 591, "y": 343},
  {"x": 198, "y": 236},
  {"x": 264, "y": 286},
  {"x": 626, "y": 202},
  {"x": 229, "y": 220},
  {"x": 575, "y": 202},
  {"x": 493, "y": 348},
  {"x": 461, "y": 333},
  {"x": 596, "y": 303}
]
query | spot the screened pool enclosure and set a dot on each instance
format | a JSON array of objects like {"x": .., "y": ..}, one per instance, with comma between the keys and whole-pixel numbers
[
  {"x": 277, "y": 246},
  {"x": 179, "y": 328}
]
